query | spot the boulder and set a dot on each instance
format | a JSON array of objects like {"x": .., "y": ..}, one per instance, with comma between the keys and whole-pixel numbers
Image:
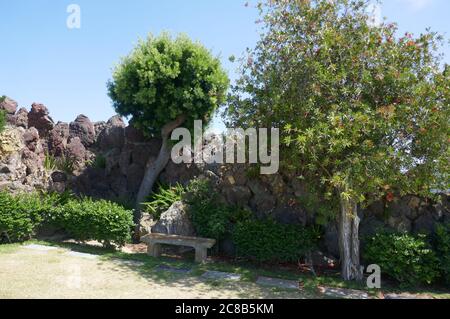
[
  {"x": 21, "y": 118},
  {"x": 113, "y": 135},
  {"x": 76, "y": 151},
  {"x": 39, "y": 118},
  {"x": 31, "y": 138},
  {"x": 57, "y": 139},
  {"x": 59, "y": 177},
  {"x": 84, "y": 129},
  {"x": 8, "y": 105},
  {"x": 238, "y": 195},
  {"x": 175, "y": 221}
]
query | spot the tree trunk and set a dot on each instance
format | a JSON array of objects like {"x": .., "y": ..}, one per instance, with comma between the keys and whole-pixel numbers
[
  {"x": 153, "y": 169},
  {"x": 349, "y": 240}
]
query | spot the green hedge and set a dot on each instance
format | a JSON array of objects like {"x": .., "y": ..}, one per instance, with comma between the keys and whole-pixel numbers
[
  {"x": 270, "y": 241},
  {"x": 408, "y": 259},
  {"x": 84, "y": 219},
  {"x": 19, "y": 215},
  {"x": 100, "y": 220}
]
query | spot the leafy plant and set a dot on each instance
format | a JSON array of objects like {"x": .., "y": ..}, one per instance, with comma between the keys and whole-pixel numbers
[
  {"x": 62, "y": 163},
  {"x": 210, "y": 218},
  {"x": 442, "y": 249},
  {"x": 265, "y": 241},
  {"x": 403, "y": 257},
  {"x": 19, "y": 215},
  {"x": 2, "y": 120},
  {"x": 161, "y": 200},
  {"x": 88, "y": 219}
]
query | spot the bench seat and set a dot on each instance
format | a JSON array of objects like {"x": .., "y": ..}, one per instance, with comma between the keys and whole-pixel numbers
[{"x": 201, "y": 245}]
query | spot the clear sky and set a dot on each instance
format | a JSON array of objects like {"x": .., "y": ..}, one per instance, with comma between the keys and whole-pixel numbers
[{"x": 41, "y": 60}]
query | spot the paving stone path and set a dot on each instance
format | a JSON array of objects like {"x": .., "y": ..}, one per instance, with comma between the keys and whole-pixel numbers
[
  {"x": 39, "y": 247},
  {"x": 218, "y": 275},
  {"x": 278, "y": 283},
  {"x": 173, "y": 269},
  {"x": 81, "y": 255},
  {"x": 343, "y": 293}
]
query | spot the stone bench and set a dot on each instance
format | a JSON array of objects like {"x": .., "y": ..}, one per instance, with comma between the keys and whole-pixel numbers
[{"x": 201, "y": 245}]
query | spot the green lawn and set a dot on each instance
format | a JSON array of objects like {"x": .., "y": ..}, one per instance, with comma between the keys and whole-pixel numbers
[{"x": 30, "y": 274}]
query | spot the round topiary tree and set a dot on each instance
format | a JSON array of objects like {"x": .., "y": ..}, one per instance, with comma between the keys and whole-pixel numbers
[{"x": 165, "y": 83}]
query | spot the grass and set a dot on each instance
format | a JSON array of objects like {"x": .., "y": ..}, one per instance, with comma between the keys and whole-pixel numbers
[{"x": 249, "y": 272}]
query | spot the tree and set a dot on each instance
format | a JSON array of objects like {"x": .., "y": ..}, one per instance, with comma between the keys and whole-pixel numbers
[
  {"x": 163, "y": 84},
  {"x": 364, "y": 113}
]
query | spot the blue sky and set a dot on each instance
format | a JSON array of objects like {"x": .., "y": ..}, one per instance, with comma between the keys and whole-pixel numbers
[{"x": 41, "y": 60}]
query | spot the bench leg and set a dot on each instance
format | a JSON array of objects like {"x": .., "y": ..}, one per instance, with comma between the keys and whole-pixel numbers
[
  {"x": 201, "y": 254},
  {"x": 154, "y": 250}
]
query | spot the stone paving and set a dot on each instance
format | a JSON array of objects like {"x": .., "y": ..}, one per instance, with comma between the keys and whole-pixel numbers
[
  {"x": 278, "y": 283},
  {"x": 218, "y": 275},
  {"x": 343, "y": 293},
  {"x": 173, "y": 269},
  {"x": 39, "y": 247},
  {"x": 81, "y": 255}
]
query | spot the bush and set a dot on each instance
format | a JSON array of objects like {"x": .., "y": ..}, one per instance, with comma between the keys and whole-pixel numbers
[
  {"x": 18, "y": 217},
  {"x": 210, "y": 218},
  {"x": 160, "y": 201},
  {"x": 403, "y": 257},
  {"x": 84, "y": 219},
  {"x": 100, "y": 220},
  {"x": 270, "y": 241},
  {"x": 2, "y": 120},
  {"x": 442, "y": 249}
]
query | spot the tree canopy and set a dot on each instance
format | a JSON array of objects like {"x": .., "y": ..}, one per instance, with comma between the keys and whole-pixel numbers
[
  {"x": 164, "y": 78},
  {"x": 361, "y": 109}
]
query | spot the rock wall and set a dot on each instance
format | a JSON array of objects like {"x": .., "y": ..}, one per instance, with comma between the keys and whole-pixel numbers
[{"x": 108, "y": 159}]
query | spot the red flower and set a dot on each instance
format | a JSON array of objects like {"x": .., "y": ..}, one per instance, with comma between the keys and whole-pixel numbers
[{"x": 390, "y": 197}]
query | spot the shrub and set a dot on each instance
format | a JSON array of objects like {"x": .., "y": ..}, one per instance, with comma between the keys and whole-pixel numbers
[
  {"x": 161, "y": 200},
  {"x": 270, "y": 241},
  {"x": 100, "y": 220},
  {"x": 442, "y": 249},
  {"x": 62, "y": 163},
  {"x": 403, "y": 257},
  {"x": 210, "y": 218},
  {"x": 20, "y": 215}
]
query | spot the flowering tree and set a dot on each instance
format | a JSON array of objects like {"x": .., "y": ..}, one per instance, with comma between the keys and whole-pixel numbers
[{"x": 364, "y": 113}]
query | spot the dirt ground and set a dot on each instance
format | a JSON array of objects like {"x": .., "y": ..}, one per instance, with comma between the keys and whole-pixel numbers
[{"x": 26, "y": 273}]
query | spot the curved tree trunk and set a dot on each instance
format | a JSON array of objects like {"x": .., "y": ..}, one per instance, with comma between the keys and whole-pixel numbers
[
  {"x": 153, "y": 169},
  {"x": 349, "y": 240}
]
